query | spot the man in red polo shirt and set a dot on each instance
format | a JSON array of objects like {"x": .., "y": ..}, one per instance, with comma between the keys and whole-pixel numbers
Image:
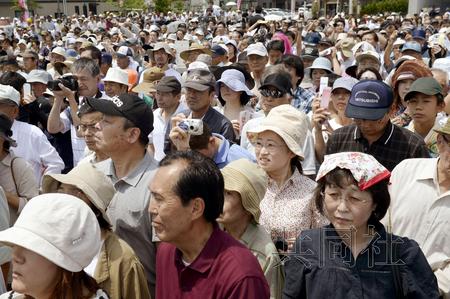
[{"x": 196, "y": 258}]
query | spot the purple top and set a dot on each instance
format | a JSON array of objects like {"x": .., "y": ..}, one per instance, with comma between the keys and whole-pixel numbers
[{"x": 224, "y": 269}]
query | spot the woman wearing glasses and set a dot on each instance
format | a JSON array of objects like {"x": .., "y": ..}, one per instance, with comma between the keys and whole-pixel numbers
[
  {"x": 286, "y": 208},
  {"x": 354, "y": 256}
]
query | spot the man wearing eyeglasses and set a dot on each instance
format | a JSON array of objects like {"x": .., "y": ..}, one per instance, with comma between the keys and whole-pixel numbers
[
  {"x": 370, "y": 106},
  {"x": 420, "y": 210},
  {"x": 276, "y": 90}
]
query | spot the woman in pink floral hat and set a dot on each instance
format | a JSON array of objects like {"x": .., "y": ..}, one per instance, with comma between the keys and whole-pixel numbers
[{"x": 354, "y": 256}]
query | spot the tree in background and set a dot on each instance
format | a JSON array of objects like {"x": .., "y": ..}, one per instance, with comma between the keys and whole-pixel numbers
[{"x": 400, "y": 6}]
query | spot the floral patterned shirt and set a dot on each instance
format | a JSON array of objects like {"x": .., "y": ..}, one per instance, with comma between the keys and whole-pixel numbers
[{"x": 287, "y": 211}]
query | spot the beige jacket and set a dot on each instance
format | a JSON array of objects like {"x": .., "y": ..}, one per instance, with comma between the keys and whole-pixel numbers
[{"x": 119, "y": 271}]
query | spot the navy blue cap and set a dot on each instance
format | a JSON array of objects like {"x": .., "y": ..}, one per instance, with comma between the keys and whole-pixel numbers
[
  {"x": 418, "y": 33},
  {"x": 312, "y": 38},
  {"x": 218, "y": 50},
  {"x": 106, "y": 58},
  {"x": 370, "y": 100}
]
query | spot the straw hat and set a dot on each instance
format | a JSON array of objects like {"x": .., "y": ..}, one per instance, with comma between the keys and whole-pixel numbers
[
  {"x": 250, "y": 181},
  {"x": 59, "y": 227},
  {"x": 288, "y": 123},
  {"x": 194, "y": 47},
  {"x": 97, "y": 187},
  {"x": 150, "y": 80},
  {"x": 116, "y": 75}
]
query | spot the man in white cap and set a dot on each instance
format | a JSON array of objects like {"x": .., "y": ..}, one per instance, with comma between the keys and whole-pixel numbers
[
  {"x": 116, "y": 82},
  {"x": 32, "y": 144},
  {"x": 125, "y": 59},
  {"x": 58, "y": 54},
  {"x": 257, "y": 59},
  {"x": 36, "y": 105}
]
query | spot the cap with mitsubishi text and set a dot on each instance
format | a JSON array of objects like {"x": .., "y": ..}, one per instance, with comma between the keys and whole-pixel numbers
[{"x": 369, "y": 100}]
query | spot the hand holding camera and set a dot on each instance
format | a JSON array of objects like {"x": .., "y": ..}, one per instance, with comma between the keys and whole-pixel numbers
[{"x": 178, "y": 136}]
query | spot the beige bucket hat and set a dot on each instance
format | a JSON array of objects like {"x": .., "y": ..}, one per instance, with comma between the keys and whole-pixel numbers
[
  {"x": 289, "y": 123},
  {"x": 250, "y": 181},
  {"x": 94, "y": 183}
]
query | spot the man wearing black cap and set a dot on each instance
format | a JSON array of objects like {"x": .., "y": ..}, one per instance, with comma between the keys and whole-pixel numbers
[
  {"x": 219, "y": 56},
  {"x": 122, "y": 134},
  {"x": 168, "y": 93},
  {"x": 370, "y": 106}
]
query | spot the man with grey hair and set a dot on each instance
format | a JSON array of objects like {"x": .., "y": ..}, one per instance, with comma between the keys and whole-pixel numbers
[{"x": 87, "y": 73}]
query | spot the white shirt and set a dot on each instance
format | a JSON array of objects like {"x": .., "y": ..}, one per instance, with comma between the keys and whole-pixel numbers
[
  {"x": 157, "y": 136},
  {"x": 309, "y": 161},
  {"x": 421, "y": 212},
  {"x": 34, "y": 147},
  {"x": 90, "y": 269},
  {"x": 78, "y": 143}
]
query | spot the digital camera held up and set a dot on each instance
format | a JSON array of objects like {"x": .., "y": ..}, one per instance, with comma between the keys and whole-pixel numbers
[
  {"x": 192, "y": 126},
  {"x": 68, "y": 81}
]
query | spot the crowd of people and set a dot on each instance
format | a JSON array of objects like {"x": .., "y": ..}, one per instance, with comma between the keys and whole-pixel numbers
[{"x": 225, "y": 155}]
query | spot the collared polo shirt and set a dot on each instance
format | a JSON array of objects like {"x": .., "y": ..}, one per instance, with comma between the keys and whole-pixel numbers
[
  {"x": 223, "y": 269},
  {"x": 419, "y": 210},
  {"x": 395, "y": 145},
  {"x": 229, "y": 152},
  {"x": 128, "y": 211}
]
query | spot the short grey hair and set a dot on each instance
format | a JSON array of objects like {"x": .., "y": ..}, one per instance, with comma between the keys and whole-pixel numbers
[{"x": 86, "y": 63}]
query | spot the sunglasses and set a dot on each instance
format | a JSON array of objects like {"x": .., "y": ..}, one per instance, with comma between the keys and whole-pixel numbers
[{"x": 273, "y": 93}]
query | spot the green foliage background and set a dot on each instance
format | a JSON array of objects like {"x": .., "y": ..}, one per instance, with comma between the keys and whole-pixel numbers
[{"x": 400, "y": 6}]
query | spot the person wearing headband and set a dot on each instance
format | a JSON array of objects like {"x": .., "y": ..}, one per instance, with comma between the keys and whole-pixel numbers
[{"x": 354, "y": 256}]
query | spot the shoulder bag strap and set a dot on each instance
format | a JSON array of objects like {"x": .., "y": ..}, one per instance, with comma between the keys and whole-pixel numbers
[
  {"x": 392, "y": 257},
  {"x": 13, "y": 176}
]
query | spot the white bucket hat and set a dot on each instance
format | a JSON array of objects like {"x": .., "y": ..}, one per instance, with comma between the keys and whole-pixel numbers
[
  {"x": 288, "y": 123},
  {"x": 9, "y": 93},
  {"x": 88, "y": 179},
  {"x": 60, "y": 51},
  {"x": 235, "y": 80},
  {"x": 116, "y": 75},
  {"x": 38, "y": 76},
  {"x": 60, "y": 227},
  {"x": 321, "y": 63},
  {"x": 257, "y": 49}
]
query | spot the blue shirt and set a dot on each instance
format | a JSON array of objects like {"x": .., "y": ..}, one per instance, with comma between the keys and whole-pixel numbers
[
  {"x": 302, "y": 99},
  {"x": 228, "y": 153}
]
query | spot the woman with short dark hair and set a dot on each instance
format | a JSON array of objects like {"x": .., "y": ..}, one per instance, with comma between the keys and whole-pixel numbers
[{"x": 354, "y": 256}]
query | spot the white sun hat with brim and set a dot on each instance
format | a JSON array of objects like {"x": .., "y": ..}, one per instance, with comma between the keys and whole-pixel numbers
[
  {"x": 9, "y": 93},
  {"x": 94, "y": 184},
  {"x": 116, "y": 75},
  {"x": 60, "y": 227},
  {"x": 288, "y": 123},
  {"x": 60, "y": 51},
  {"x": 321, "y": 63},
  {"x": 38, "y": 76},
  {"x": 235, "y": 80}
]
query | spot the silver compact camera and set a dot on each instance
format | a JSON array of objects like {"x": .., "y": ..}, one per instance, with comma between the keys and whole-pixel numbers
[{"x": 192, "y": 126}]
